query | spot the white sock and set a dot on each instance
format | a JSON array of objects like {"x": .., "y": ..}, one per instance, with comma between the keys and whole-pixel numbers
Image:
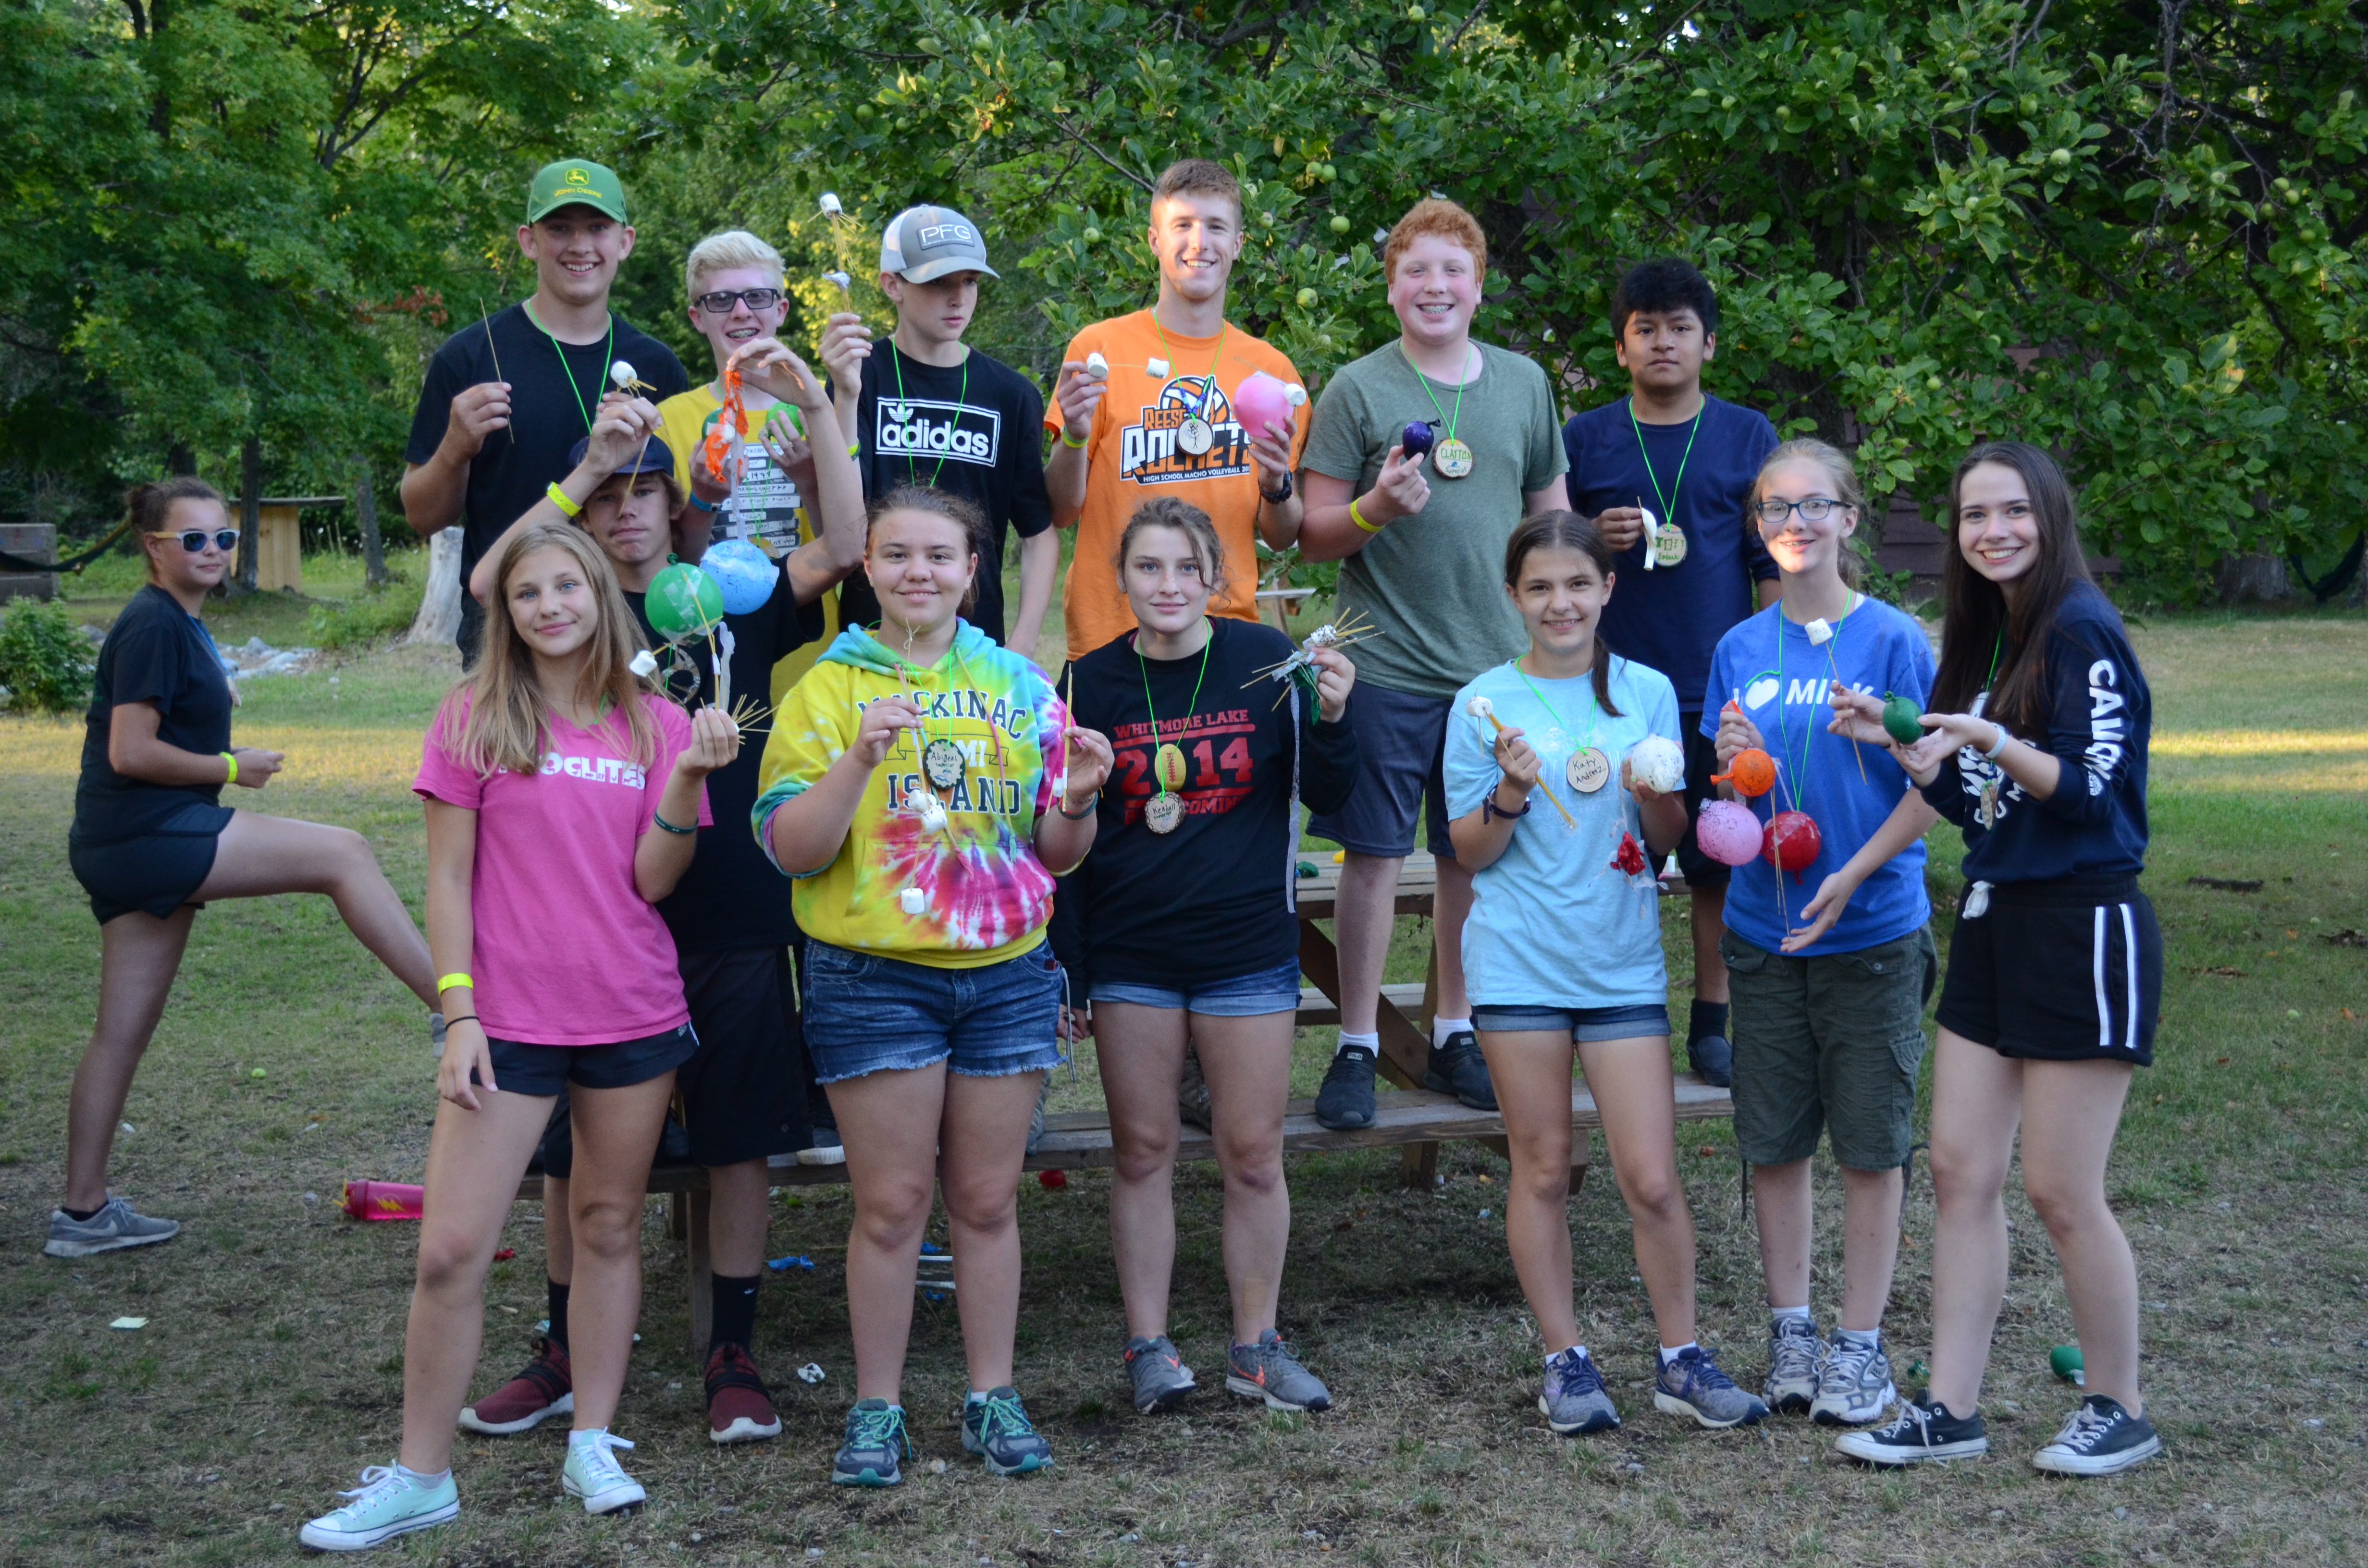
[
  {"x": 977, "y": 1396},
  {"x": 1671, "y": 1352},
  {"x": 1777, "y": 1316},
  {"x": 1863, "y": 1339},
  {"x": 1443, "y": 1028},
  {"x": 1369, "y": 1042},
  {"x": 420, "y": 1477},
  {"x": 1577, "y": 1353}
]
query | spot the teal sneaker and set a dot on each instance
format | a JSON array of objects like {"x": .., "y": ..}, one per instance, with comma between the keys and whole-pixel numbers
[
  {"x": 875, "y": 1443},
  {"x": 593, "y": 1473},
  {"x": 1000, "y": 1431},
  {"x": 387, "y": 1503}
]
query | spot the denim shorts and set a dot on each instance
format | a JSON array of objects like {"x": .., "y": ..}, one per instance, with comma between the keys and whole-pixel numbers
[
  {"x": 520, "y": 1068},
  {"x": 867, "y": 1013},
  {"x": 1401, "y": 751},
  {"x": 1586, "y": 1024},
  {"x": 1273, "y": 990}
]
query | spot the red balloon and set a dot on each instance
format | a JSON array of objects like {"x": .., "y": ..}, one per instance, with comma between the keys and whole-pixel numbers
[
  {"x": 1791, "y": 842},
  {"x": 1053, "y": 1180}
]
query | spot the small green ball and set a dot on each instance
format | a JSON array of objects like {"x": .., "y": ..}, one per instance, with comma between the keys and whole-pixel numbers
[
  {"x": 2061, "y": 157},
  {"x": 1307, "y": 297},
  {"x": 1933, "y": 383}
]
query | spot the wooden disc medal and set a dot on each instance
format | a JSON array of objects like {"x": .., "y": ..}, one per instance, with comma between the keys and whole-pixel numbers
[{"x": 1163, "y": 812}]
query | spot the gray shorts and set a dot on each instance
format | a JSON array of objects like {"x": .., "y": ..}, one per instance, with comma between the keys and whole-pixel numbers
[
  {"x": 1401, "y": 748},
  {"x": 1829, "y": 1044}
]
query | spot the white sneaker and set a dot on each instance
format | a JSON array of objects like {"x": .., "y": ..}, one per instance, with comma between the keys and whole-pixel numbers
[
  {"x": 593, "y": 1473},
  {"x": 387, "y": 1503},
  {"x": 830, "y": 1154}
]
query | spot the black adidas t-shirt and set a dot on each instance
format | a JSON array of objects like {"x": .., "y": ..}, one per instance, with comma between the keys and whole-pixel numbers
[
  {"x": 552, "y": 406},
  {"x": 975, "y": 429}
]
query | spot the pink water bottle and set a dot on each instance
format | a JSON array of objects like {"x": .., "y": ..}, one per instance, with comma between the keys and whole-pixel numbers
[{"x": 383, "y": 1199}]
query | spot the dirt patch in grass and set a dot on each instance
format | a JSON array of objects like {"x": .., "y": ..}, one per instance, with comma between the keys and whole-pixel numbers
[{"x": 269, "y": 1370}]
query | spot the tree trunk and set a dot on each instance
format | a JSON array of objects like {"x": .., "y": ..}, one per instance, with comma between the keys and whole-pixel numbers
[
  {"x": 250, "y": 511},
  {"x": 180, "y": 460},
  {"x": 2258, "y": 578},
  {"x": 438, "y": 621},
  {"x": 366, "y": 514}
]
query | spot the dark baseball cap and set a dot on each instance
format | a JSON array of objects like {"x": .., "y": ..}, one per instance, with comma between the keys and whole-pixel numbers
[
  {"x": 924, "y": 243},
  {"x": 575, "y": 182},
  {"x": 657, "y": 456}
]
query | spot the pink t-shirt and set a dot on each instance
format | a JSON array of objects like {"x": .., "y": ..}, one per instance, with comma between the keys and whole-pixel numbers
[{"x": 567, "y": 951}]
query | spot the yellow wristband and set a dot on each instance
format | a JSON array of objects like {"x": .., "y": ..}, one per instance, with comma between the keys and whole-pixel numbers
[
  {"x": 855, "y": 449},
  {"x": 1066, "y": 443},
  {"x": 1359, "y": 518},
  {"x": 230, "y": 762},
  {"x": 446, "y": 982},
  {"x": 559, "y": 499}
]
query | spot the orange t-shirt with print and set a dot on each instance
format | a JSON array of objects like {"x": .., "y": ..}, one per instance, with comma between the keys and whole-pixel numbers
[{"x": 1131, "y": 457}]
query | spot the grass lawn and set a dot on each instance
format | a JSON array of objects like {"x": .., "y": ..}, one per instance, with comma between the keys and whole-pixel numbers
[{"x": 268, "y": 1372}]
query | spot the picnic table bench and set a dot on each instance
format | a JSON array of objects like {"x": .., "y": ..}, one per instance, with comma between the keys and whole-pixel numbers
[{"x": 1414, "y": 1120}]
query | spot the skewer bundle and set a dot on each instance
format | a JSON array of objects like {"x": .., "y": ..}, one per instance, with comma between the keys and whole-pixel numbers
[{"x": 1346, "y": 632}]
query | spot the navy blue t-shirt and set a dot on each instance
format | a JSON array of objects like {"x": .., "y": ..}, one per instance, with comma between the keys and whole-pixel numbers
[
  {"x": 1672, "y": 617},
  {"x": 156, "y": 651},
  {"x": 2098, "y": 718}
]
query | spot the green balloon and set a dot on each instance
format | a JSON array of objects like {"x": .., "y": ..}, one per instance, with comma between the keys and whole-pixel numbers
[
  {"x": 684, "y": 601},
  {"x": 1899, "y": 716}
]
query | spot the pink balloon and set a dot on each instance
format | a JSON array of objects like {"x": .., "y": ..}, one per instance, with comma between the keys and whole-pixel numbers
[
  {"x": 1259, "y": 402},
  {"x": 1727, "y": 832}
]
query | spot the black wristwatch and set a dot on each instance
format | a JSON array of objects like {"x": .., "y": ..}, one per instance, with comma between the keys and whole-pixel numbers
[
  {"x": 1272, "y": 497},
  {"x": 1490, "y": 810}
]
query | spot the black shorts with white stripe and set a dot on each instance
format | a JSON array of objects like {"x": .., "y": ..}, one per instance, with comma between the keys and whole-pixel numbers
[{"x": 2067, "y": 971}]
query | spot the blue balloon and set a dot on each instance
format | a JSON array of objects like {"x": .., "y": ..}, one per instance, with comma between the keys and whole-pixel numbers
[{"x": 746, "y": 575}]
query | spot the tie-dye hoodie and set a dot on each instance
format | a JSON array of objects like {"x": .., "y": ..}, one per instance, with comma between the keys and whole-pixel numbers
[{"x": 988, "y": 895}]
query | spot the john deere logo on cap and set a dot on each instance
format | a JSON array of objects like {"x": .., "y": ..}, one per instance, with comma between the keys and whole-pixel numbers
[{"x": 578, "y": 177}]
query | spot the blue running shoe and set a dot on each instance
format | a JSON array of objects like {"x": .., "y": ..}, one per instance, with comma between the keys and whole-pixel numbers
[
  {"x": 1574, "y": 1400},
  {"x": 1692, "y": 1384},
  {"x": 875, "y": 1443},
  {"x": 997, "y": 1430}
]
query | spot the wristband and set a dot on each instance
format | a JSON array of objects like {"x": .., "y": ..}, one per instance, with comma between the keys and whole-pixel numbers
[
  {"x": 1489, "y": 809},
  {"x": 855, "y": 449},
  {"x": 559, "y": 498},
  {"x": 463, "y": 1019},
  {"x": 1273, "y": 498},
  {"x": 1359, "y": 518},
  {"x": 448, "y": 982},
  {"x": 231, "y": 762},
  {"x": 1073, "y": 445},
  {"x": 2003, "y": 736},
  {"x": 698, "y": 505},
  {"x": 1092, "y": 801},
  {"x": 666, "y": 826}
]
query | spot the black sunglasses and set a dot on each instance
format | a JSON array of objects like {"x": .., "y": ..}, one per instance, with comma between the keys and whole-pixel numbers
[
  {"x": 720, "y": 303},
  {"x": 194, "y": 540}
]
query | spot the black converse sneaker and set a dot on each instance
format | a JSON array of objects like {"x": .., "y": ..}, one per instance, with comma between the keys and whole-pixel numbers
[
  {"x": 2102, "y": 1438},
  {"x": 1922, "y": 1432}
]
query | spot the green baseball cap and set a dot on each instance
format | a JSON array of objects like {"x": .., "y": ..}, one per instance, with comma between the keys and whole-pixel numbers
[{"x": 575, "y": 182}]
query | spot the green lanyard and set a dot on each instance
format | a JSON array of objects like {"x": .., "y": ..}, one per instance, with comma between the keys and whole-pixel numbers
[
  {"x": 1209, "y": 389},
  {"x": 912, "y": 471},
  {"x": 1587, "y": 744},
  {"x": 1797, "y": 757},
  {"x": 607, "y": 358},
  {"x": 1668, "y": 502},
  {"x": 1189, "y": 710},
  {"x": 1444, "y": 418}
]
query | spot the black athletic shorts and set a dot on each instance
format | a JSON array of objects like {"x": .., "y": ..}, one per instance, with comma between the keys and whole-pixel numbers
[
  {"x": 2067, "y": 971},
  {"x": 1701, "y": 761},
  {"x": 155, "y": 873},
  {"x": 522, "y": 1067}
]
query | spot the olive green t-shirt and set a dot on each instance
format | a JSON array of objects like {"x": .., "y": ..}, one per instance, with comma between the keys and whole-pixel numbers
[{"x": 1433, "y": 583}]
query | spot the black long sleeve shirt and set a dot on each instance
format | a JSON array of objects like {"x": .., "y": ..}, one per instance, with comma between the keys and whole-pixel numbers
[{"x": 1215, "y": 899}]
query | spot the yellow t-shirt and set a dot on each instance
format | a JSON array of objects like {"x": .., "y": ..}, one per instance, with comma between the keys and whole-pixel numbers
[
  {"x": 1131, "y": 457},
  {"x": 766, "y": 508}
]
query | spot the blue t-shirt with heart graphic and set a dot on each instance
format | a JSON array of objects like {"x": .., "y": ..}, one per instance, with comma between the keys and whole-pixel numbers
[{"x": 1784, "y": 690}]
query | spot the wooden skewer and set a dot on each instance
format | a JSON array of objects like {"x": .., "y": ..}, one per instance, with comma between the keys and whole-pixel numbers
[{"x": 1551, "y": 798}]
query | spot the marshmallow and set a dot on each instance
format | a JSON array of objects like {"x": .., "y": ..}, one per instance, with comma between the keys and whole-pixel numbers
[
  {"x": 830, "y": 204},
  {"x": 1157, "y": 367},
  {"x": 622, "y": 373},
  {"x": 1820, "y": 631},
  {"x": 644, "y": 665},
  {"x": 1480, "y": 708},
  {"x": 1097, "y": 366},
  {"x": 933, "y": 815},
  {"x": 842, "y": 279},
  {"x": 1295, "y": 395},
  {"x": 913, "y": 901}
]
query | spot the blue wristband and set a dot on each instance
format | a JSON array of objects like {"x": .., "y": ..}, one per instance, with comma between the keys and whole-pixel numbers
[{"x": 705, "y": 506}]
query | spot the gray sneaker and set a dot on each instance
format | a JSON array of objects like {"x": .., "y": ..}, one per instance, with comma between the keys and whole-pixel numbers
[
  {"x": 114, "y": 1227},
  {"x": 1574, "y": 1400},
  {"x": 1159, "y": 1375},
  {"x": 1192, "y": 1094},
  {"x": 1794, "y": 1353},
  {"x": 1267, "y": 1370},
  {"x": 1853, "y": 1384},
  {"x": 1693, "y": 1385}
]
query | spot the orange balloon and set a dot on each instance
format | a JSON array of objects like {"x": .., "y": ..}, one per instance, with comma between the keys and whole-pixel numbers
[{"x": 1752, "y": 773}]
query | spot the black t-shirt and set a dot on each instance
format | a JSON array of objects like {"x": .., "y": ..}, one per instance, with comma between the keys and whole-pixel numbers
[
  {"x": 982, "y": 437},
  {"x": 732, "y": 896},
  {"x": 156, "y": 651},
  {"x": 549, "y": 414},
  {"x": 1213, "y": 899}
]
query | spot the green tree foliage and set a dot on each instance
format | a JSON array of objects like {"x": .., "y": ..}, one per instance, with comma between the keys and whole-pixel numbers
[
  {"x": 45, "y": 661},
  {"x": 2127, "y": 232}
]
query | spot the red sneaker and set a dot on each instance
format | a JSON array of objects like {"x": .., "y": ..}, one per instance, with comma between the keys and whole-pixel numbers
[
  {"x": 738, "y": 1408},
  {"x": 545, "y": 1388}
]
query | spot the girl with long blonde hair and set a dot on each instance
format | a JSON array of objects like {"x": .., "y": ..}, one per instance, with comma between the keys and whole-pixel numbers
[{"x": 563, "y": 797}]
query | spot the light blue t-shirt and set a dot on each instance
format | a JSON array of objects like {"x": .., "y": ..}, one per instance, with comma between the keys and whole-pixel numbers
[
  {"x": 1785, "y": 692},
  {"x": 1555, "y": 923}
]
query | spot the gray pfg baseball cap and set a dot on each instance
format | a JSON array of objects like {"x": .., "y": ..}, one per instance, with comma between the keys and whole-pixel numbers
[{"x": 924, "y": 243}]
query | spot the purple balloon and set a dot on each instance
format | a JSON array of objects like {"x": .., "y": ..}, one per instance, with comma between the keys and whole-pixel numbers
[{"x": 1417, "y": 438}]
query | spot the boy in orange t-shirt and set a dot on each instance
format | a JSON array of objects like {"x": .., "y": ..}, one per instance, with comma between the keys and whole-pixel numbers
[{"x": 1130, "y": 434}]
